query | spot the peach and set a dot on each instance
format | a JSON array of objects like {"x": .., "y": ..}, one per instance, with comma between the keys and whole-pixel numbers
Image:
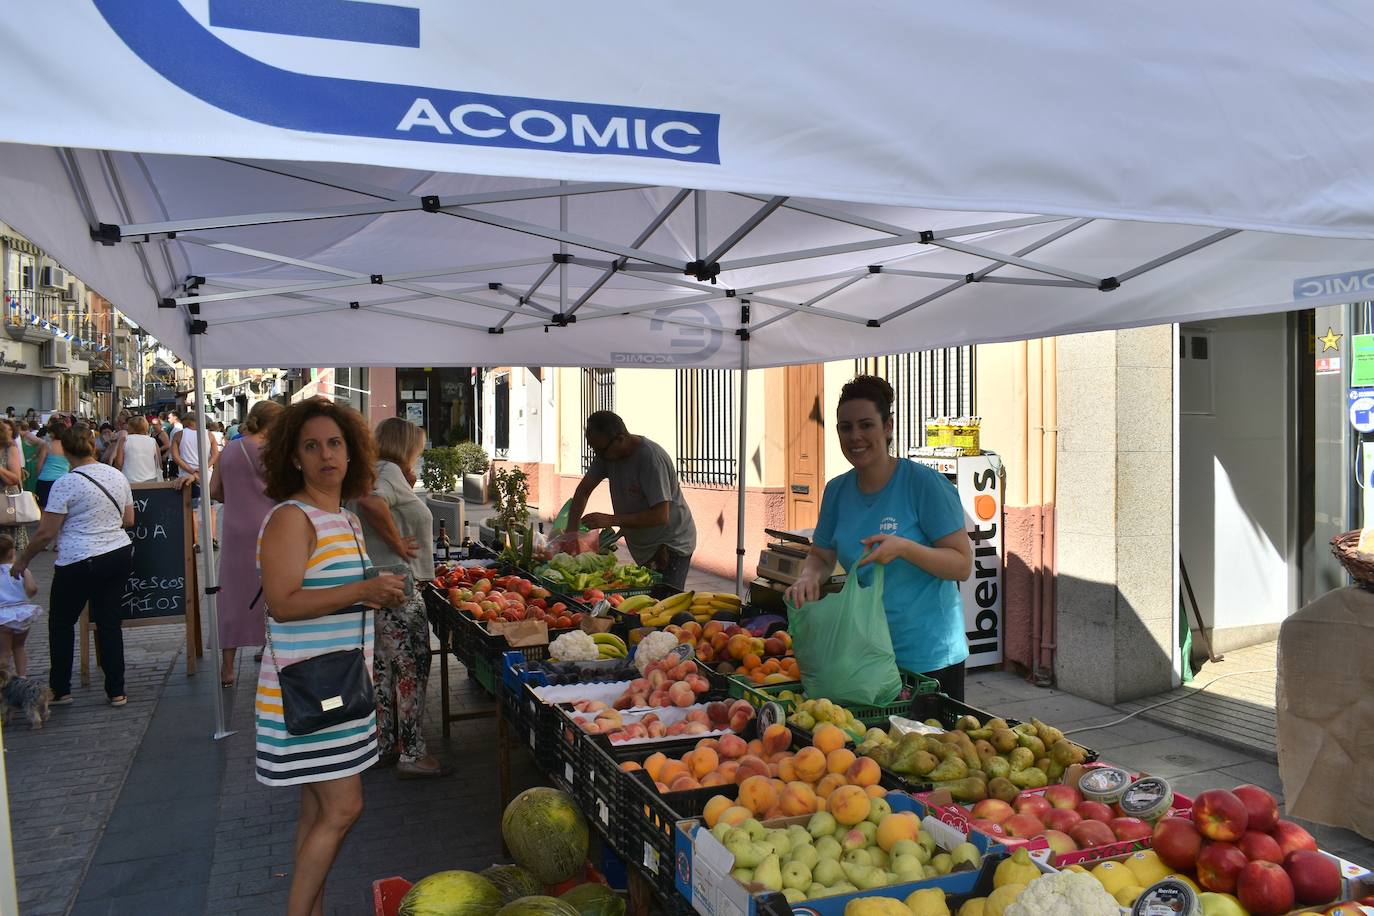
[
  {"x": 875, "y": 791},
  {"x": 752, "y": 766},
  {"x": 776, "y": 739},
  {"x": 629, "y": 766},
  {"x": 683, "y": 784},
  {"x": 712, "y": 743},
  {"x": 732, "y": 747},
  {"x": 714, "y": 809},
  {"x": 671, "y": 771},
  {"x": 704, "y": 760},
  {"x": 822, "y": 804},
  {"x": 829, "y": 783},
  {"x": 758, "y": 794},
  {"x": 735, "y": 815},
  {"x": 787, "y": 768},
  {"x": 864, "y": 771},
  {"x": 755, "y": 746},
  {"x": 714, "y": 779},
  {"x": 839, "y": 760},
  {"x": 773, "y": 770},
  {"x": 653, "y": 765},
  {"x": 681, "y": 694},
  {"x": 738, "y": 646},
  {"x": 728, "y": 769},
  {"x": 896, "y": 827},
  {"x": 849, "y": 804},
  {"x": 809, "y": 765},
  {"x": 827, "y": 738},
  {"x": 797, "y": 799}
]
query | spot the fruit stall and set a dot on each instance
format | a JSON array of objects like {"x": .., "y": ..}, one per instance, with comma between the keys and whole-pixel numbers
[{"x": 684, "y": 757}]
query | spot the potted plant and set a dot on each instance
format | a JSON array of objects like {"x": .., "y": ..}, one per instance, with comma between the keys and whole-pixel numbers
[
  {"x": 472, "y": 464},
  {"x": 440, "y": 476},
  {"x": 510, "y": 492}
]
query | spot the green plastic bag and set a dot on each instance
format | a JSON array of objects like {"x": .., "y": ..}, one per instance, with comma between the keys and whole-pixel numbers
[{"x": 843, "y": 646}]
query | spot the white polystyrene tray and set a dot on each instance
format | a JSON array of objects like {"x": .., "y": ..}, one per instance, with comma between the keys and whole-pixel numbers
[{"x": 668, "y": 715}]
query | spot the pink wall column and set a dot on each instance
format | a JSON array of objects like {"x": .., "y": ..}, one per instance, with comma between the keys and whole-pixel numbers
[{"x": 382, "y": 401}]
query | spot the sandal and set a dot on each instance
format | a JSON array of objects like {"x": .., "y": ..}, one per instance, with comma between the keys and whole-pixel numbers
[
  {"x": 64, "y": 700},
  {"x": 119, "y": 701},
  {"x": 411, "y": 769},
  {"x": 226, "y": 684}
]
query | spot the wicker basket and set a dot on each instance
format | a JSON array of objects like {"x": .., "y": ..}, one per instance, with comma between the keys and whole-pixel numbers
[{"x": 1359, "y": 565}]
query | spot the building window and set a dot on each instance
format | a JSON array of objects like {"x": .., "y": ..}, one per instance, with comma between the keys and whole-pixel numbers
[
  {"x": 350, "y": 387},
  {"x": 925, "y": 385},
  {"x": 598, "y": 393},
  {"x": 707, "y": 438},
  {"x": 502, "y": 405},
  {"x": 1195, "y": 371}
]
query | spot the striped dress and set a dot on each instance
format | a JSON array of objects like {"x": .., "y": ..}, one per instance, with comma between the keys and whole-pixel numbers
[{"x": 284, "y": 759}]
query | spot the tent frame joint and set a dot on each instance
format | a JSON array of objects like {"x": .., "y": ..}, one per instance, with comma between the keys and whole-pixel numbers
[
  {"x": 563, "y": 319},
  {"x": 562, "y": 258},
  {"x": 742, "y": 333},
  {"x": 875, "y": 268},
  {"x": 197, "y": 327},
  {"x": 874, "y": 323},
  {"x": 107, "y": 234},
  {"x": 927, "y": 236},
  {"x": 355, "y": 305},
  {"x": 702, "y": 271},
  {"x": 1108, "y": 284},
  {"x": 376, "y": 279},
  {"x": 430, "y": 203},
  {"x": 496, "y": 330}
]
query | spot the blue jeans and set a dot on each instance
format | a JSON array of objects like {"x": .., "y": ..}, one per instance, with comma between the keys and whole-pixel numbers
[{"x": 675, "y": 570}]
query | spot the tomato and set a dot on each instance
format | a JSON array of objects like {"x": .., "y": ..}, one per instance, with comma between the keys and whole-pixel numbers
[
  {"x": 557, "y": 607},
  {"x": 577, "y": 619},
  {"x": 564, "y": 622}
]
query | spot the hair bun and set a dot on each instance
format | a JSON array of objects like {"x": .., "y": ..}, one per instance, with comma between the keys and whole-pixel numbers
[{"x": 869, "y": 388}]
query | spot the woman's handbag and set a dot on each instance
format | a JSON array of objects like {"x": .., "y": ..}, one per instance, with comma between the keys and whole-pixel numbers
[
  {"x": 21, "y": 507},
  {"x": 328, "y": 689}
]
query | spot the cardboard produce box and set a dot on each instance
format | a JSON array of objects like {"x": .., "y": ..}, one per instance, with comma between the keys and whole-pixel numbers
[{"x": 1326, "y": 711}]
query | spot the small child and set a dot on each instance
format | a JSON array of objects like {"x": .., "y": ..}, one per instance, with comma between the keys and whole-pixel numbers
[{"x": 17, "y": 611}]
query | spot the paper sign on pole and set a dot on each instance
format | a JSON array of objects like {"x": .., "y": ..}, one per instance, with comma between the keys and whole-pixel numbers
[{"x": 1361, "y": 360}]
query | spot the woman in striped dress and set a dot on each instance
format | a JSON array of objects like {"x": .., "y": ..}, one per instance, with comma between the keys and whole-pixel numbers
[{"x": 311, "y": 557}]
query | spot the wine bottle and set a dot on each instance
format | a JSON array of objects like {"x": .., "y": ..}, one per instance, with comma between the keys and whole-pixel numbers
[{"x": 442, "y": 550}]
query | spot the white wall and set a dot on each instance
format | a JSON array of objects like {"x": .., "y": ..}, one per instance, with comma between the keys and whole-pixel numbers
[{"x": 1233, "y": 476}]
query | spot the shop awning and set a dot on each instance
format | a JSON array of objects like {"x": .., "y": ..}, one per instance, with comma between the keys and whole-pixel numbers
[{"x": 437, "y": 184}]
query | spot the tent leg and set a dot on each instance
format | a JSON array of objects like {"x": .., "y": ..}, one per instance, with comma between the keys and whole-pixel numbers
[
  {"x": 740, "y": 467},
  {"x": 207, "y": 539}
]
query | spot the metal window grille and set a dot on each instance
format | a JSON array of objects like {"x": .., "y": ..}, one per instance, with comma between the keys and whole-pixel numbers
[
  {"x": 928, "y": 384},
  {"x": 707, "y": 440},
  {"x": 598, "y": 393},
  {"x": 502, "y": 411}
]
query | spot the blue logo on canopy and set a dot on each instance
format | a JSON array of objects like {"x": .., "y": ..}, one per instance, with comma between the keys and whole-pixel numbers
[{"x": 169, "y": 39}]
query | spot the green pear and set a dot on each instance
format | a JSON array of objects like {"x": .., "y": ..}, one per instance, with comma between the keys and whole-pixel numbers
[
  {"x": 930, "y": 871},
  {"x": 817, "y": 890},
  {"x": 943, "y": 863},
  {"x": 804, "y": 855},
  {"x": 778, "y": 841},
  {"x": 842, "y": 887},
  {"x": 793, "y": 895},
  {"x": 796, "y": 876},
  {"x": 827, "y": 872},
  {"x": 876, "y": 735},
  {"x": 966, "y": 854},
  {"x": 904, "y": 848},
  {"x": 756, "y": 830},
  {"x": 854, "y": 839},
  {"x": 720, "y": 830},
  {"x": 878, "y": 809},
  {"x": 827, "y": 847},
  {"x": 878, "y": 858},
  {"x": 747, "y": 853},
  {"x": 857, "y": 857},
  {"x": 822, "y": 823},
  {"x": 769, "y": 873},
  {"x": 869, "y": 830},
  {"x": 859, "y": 875},
  {"x": 908, "y": 868},
  {"x": 743, "y": 875},
  {"x": 926, "y": 839},
  {"x": 798, "y": 835}
]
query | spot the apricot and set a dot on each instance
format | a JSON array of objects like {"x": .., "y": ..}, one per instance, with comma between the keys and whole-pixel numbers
[
  {"x": 822, "y": 804},
  {"x": 629, "y": 766},
  {"x": 683, "y": 784},
  {"x": 713, "y": 779},
  {"x": 875, "y": 791},
  {"x": 671, "y": 771},
  {"x": 756, "y": 748},
  {"x": 827, "y": 738},
  {"x": 758, "y": 794},
  {"x": 829, "y": 783},
  {"x": 705, "y": 760},
  {"x": 714, "y": 809},
  {"x": 735, "y": 815},
  {"x": 653, "y": 765},
  {"x": 896, "y": 827},
  {"x": 728, "y": 769},
  {"x": 839, "y": 760},
  {"x": 810, "y": 765},
  {"x": 772, "y": 769},
  {"x": 849, "y": 804},
  {"x": 738, "y": 646},
  {"x": 732, "y": 747},
  {"x": 863, "y": 771},
  {"x": 752, "y": 766},
  {"x": 797, "y": 798},
  {"x": 787, "y": 768},
  {"x": 776, "y": 739},
  {"x": 712, "y": 743}
]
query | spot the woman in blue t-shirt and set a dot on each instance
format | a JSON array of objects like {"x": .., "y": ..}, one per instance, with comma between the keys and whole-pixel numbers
[{"x": 906, "y": 516}]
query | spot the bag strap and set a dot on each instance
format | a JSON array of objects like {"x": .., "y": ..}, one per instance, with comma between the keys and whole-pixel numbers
[{"x": 101, "y": 487}]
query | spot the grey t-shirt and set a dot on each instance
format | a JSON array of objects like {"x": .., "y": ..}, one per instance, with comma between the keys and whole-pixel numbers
[
  {"x": 411, "y": 516},
  {"x": 641, "y": 481}
]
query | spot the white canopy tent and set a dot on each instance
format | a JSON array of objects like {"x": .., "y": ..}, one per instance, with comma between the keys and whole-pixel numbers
[{"x": 419, "y": 182}]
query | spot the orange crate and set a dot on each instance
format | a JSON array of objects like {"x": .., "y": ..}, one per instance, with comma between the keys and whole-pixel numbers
[{"x": 387, "y": 894}]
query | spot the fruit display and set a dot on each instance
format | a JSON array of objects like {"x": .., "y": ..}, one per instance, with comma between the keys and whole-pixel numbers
[
  {"x": 861, "y": 844},
  {"x": 510, "y": 598},
  {"x": 1061, "y": 817},
  {"x": 546, "y": 834},
  {"x": 712, "y": 718},
  {"x": 665, "y": 682},
  {"x": 462, "y": 892},
  {"x": 977, "y": 760},
  {"x": 734, "y": 649},
  {"x": 596, "y": 671},
  {"x": 513, "y": 882},
  {"x": 810, "y": 715},
  {"x": 580, "y": 646},
  {"x": 594, "y": 900},
  {"x": 698, "y": 606},
  {"x": 537, "y": 905},
  {"x": 593, "y": 570}
]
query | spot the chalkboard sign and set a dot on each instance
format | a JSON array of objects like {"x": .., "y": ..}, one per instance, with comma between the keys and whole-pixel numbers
[
  {"x": 102, "y": 380},
  {"x": 160, "y": 584}
]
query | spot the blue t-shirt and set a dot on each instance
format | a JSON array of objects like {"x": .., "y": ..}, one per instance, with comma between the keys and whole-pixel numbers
[{"x": 924, "y": 613}]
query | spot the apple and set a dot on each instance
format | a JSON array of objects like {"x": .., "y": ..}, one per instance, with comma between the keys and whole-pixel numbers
[
  {"x": 1218, "y": 866},
  {"x": 1060, "y": 843},
  {"x": 1262, "y": 807},
  {"x": 1260, "y": 847},
  {"x": 1094, "y": 811},
  {"x": 1177, "y": 842},
  {"x": 1264, "y": 889},
  {"x": 1219, "y": 815},
  {"x": 1130, "y": 828},
  {"x": 1034, "y": 805},
  {"x": 1022, "y": 825},
  {"x": 1291, "y": 838},
  {"x": 1062, "y": 796},
  {"x": 1092, "y": 833},
  {"x": 1062, "y": 819},
  {"x": 1316, "y": 878},
  {"x": 993, "y": 827},
  {"x": 993, "y": 809}
]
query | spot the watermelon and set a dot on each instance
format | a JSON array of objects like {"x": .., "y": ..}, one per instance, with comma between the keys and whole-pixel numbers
[
  {"x": 546, "y": 834},
  {"x": 594, "y": 900},
  {"x": 451, "y": 893},
  {"x": 513, "y": 882},
  {"x": 538, "y": 905}
]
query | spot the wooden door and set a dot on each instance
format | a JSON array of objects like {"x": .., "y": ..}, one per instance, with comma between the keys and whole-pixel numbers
[{"x": 805, "y": 445}]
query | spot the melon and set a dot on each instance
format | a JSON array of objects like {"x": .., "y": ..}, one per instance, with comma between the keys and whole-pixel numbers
[
  {"x": 513, "y": 882},
  {"x": 594, "y": 900},
  {"x": 451, "y": 893},
  {"x": 538, "y": 905},
  {"x": 546, "y": 834}
]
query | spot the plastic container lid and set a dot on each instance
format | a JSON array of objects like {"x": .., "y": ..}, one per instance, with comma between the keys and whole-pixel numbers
[
  {"x": 1104, "y": 784},
  {"x": 1167, "y": 898},
  {"x": 1148, "y": 799}
]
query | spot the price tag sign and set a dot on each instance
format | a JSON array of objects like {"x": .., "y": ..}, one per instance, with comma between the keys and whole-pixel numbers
[
  {"x": 650, "y": 859},
  {"x": 603, "y": 812},
  {"x": 568, "y": 773},
  {"x": 770, "y": 714},
  {"x": 601, "y": 609},
  {"x": 682, "y": 652}
]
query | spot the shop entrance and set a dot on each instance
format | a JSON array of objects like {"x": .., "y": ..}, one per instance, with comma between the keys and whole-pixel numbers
[
  {"x": 805, "y": 445},
  {"x": 441, "y": 401}
]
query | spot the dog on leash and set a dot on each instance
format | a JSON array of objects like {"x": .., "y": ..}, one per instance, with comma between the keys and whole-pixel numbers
[{"x": 25, "y": 696}]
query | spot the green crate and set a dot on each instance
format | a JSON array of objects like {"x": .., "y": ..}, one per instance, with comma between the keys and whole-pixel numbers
[
  {"x": 917, "y": 684},
  {"x": 486, "y": 675},
  {"x": 744, "y": 689}
]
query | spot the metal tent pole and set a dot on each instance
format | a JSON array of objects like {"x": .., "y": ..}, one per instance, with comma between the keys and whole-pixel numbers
[
  {"x": 743, "y": 449},
  {"x": 207, "y": 535}
]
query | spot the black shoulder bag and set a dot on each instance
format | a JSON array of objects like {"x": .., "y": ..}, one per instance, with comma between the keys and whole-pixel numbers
[{"x": 327, "y": 689}]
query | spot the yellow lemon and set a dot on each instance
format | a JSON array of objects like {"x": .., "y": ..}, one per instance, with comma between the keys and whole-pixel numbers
[
  {"x": 1126, "y": 895},
  {"x": 1113, "y": 876},
  {"x": 1146, "y": 867},
  {"x": 1186, "y": 880},
  {"x": 1078, "y": 868}
]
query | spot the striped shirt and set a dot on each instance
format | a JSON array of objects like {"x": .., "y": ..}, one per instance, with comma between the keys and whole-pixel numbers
[{"x": 341, "y": 750}]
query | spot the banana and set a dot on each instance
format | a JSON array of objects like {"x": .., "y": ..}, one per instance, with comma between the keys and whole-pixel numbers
[
  {"x": 677, "y": 602},
  {"x": 610, "y": 639},
  {"x": 609, "y": 652},
  {"x": 636, "y": 604}
]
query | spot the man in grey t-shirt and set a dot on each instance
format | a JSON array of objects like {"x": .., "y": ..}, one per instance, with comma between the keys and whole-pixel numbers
[{"x": 645, "y": 496}]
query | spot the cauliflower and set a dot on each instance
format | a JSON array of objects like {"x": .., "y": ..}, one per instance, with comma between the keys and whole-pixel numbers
[
  {"x": 575, "y": 646},
  {"x": 1068, "y": 893},
  {"x": 653, "y": 647}
]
